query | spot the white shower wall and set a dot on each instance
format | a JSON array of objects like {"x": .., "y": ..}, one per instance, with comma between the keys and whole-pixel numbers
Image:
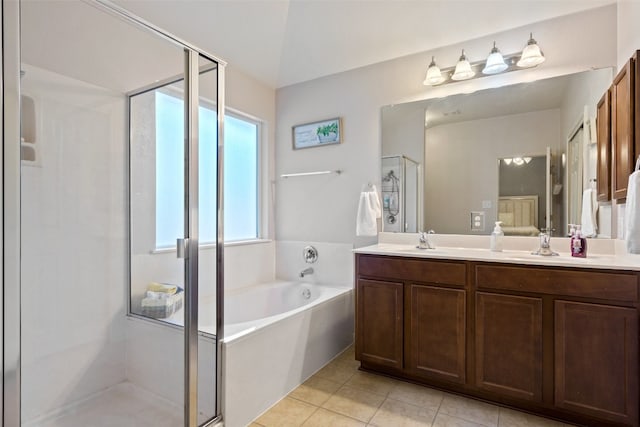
[{"x": 73, "y": 244}]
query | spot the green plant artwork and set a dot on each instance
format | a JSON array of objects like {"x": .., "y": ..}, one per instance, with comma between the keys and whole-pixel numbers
[{"x": 327, "y": 129}]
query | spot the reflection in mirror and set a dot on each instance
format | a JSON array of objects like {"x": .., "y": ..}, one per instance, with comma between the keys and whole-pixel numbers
[
  {"x": 522, "y": 195},
  {"x": 401, "y": 188},
  {"x": 461, "y": 141}
]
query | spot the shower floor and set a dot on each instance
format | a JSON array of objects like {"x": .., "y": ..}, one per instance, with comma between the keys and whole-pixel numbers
[{"x": 123, "y": 405}]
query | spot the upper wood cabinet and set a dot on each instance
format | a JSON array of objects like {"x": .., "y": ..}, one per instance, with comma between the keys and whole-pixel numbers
[
  {"x": 604, "y": 147},
  {"x": 624, "y": 144}
]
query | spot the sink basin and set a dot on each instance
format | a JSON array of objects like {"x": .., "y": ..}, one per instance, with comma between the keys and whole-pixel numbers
[{"x": 415, "y": 250}]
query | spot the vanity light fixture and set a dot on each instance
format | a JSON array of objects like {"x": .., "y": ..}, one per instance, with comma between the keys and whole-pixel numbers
[
  {"x": 531, "y": 54},
  {"x": 434, "y": 75},
  {"x": 463, "y": 69},
  {"x": 495, "y": 62},
  {"x": 518, "y": 161}
]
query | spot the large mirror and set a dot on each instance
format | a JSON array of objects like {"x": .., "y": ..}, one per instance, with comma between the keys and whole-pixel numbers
[{"x": 522, "y": 154}]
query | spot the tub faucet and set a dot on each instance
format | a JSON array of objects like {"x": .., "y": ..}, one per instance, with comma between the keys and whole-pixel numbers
[
  {"x": 545, "y": 244},
  {"x": 424, "y": 240},
  {"x": 306, "y": 271}
]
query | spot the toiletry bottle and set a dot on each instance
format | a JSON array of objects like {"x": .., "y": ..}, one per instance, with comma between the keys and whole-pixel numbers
[
  {"x": 496, "y": 238},
  {"x": 578, "y": 244},
  {"x": 572, "y": 230}
]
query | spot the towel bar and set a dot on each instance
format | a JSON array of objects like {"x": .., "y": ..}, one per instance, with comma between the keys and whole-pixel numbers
[{"x": 293, "y": 175}]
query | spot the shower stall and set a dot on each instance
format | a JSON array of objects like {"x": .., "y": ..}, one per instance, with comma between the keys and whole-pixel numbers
[
  {"x": 112, "y": 184},
  {"x": 401, "y": 194}
]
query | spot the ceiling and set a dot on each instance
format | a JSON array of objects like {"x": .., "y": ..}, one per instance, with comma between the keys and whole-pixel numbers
[{"x": 283, "y": 42}]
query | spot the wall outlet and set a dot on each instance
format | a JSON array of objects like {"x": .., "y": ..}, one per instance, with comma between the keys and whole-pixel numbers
[{"x": 477, "y": 220}]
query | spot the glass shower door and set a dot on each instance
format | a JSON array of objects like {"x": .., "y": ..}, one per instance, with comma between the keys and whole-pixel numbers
[{"x": 107, "y": 216}]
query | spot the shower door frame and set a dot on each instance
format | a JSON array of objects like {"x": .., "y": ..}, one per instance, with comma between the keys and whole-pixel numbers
[{"x": 10, "y": 180}]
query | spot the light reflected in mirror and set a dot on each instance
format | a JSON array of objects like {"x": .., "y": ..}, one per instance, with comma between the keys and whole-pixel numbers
[{"x": 459, "y": 143}]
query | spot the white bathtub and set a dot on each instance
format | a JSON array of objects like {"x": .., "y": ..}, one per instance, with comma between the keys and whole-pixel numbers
[{"x": 276, "y": 336}]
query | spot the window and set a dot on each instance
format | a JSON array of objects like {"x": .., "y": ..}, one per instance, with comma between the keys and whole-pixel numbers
[{"x": 241, "y": 198}]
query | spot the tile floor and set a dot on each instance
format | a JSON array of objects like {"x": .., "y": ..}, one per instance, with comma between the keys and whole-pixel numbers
[{"x": 339, "y": 395}]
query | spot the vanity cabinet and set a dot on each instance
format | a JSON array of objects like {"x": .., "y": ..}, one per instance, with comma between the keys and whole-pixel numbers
[
  {"x": 558, "y": 341},
  {"x": 603, "y": 182},
  {"x": 596, "y": 360},
  {"x": 380, "y": 326},
  {"x": 421, "y": 328},
  {"x": 509, "y": 345},
  {"x": 625, "y": 120},
  {"x": 436, "y": 332}
]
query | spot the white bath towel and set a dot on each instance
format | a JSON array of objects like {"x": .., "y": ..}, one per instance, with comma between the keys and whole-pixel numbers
[
  {"x": 369, "y": 210},
  {"x": 632, "y": 214},
  {"x": 589, "y": 209}
]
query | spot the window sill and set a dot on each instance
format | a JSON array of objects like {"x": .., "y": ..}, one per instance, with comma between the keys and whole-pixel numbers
[{"x": 213, "y": 245}]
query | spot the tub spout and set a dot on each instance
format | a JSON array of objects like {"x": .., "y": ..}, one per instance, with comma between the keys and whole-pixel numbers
[{"x": 306, "y": 271}]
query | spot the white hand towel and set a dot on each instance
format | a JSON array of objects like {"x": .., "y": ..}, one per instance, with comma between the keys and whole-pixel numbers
[
  {"x": 632, "y": 214},
  {"x": 589, "y": 208},
  {"x": 368, "y": 211}
]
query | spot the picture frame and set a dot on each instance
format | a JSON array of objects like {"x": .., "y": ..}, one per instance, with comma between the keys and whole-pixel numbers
[{"x": 317, "y": 134}]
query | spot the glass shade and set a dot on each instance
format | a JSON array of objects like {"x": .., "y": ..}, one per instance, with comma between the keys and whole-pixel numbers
[
  {"x": 531, "y": 55},
  {"x": 463, "y": 69},
  {"x": 434, "y": 75},
  {"x": 495, "y": 62}
]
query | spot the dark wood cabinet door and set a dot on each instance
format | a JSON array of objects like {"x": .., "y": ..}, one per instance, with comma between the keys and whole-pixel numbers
[
  {"x": 603, "y": 182},
  {"x": 509, "y": 345},
  {"x": 436, "y": 336},
  {"x": 596, "y": 360},
  {"x": 379, "y": 322},
  {"x": 622, "y": 125}
]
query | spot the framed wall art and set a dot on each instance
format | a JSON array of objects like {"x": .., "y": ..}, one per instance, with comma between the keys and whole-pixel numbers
[{"x": 316, "y": 134}]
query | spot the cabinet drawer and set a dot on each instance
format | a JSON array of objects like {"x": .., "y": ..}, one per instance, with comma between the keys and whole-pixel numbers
[
  {"x": 578, "y": 283},
  {"x": 407, "y": 269}
]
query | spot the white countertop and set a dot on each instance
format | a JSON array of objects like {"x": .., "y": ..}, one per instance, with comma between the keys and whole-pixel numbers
[{"x": 600, "y": 259}]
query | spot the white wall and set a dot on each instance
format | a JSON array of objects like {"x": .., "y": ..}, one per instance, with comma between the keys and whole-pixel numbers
[
  {"x": 628, "y": 36},
  {"x": 461, "y": 168},
  {"x": 324, "y": 208}
]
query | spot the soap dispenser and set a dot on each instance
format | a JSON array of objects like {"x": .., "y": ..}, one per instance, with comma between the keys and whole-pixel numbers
[
  {"x": 578, "y": 244},
  {"x": 496, "y": 238}
]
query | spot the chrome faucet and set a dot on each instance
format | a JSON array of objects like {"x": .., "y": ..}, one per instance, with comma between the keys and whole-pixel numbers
[
  {"x": 545, "y": 244},
  {"x": 306, "y": 271},
  {"x": 425, "y": 241}
]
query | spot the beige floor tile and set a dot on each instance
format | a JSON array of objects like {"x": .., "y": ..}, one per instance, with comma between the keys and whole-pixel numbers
[
  {"x": 315, "y": 390},
  {"x": 354, "y": 403},
  {"x": 324, "y": 418},
  {"x": 511, "y": 418},
  {"x": 444, "y": 420},
  {"x": 255, "y": 425},
  {"x": 470, "y": 410},
  {"x": 287, "y": 413},
  {"x": 416, "y": 395},
  {"x": 337, "y": 371},
  {"x": 372, "y": 383},
  {"x": 401, "y": 414}
]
